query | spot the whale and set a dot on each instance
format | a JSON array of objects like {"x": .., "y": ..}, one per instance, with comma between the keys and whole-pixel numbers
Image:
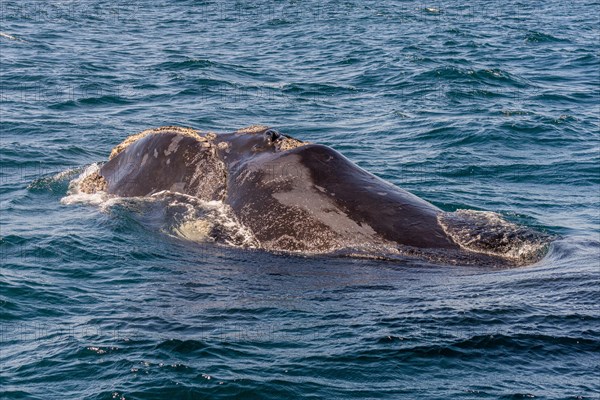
[{"x": 300, "y": 197}]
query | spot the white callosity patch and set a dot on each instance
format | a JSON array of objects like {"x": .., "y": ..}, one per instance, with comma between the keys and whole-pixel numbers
[
  {"x": 488, "y": 233},
  {"x": 252, "y": 129},
  {"x": 163, "y": 129},
  {"x": 174, "y": 145}
]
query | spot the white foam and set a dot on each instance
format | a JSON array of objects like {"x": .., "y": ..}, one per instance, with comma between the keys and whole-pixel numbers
[
  {"x": 208, "y": 220},
  {"x": 186, "y": 217},
  {"x": 10, "y": 37},
  {"x": 74, "y": 194}
]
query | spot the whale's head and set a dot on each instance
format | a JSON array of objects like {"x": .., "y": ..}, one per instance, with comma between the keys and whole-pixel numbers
[
  {"x": 168, "y": 158},
  {"x": 184, "y": 160}
]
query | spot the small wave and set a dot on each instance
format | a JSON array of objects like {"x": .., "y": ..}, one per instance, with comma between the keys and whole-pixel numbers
[
  {"x": 320, "y": 89},
  {"x": 181, "y": 346},
  {"x": 55, "y": 182},
  {"x": 103, "y": 100},
  {"x": 278, "y": 22},
  {"x": 490, "y": 76},
  {"x": 540, "y": 37},
  {"x": 10, "y": 37},
  {"x": 488, "y": 233},
  {"x": 191, "y": 64},
  {"x": 472, "y": 346}
]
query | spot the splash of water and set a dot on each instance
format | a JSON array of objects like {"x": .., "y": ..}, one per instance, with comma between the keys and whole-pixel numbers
[{"x": 183, "y": 216}]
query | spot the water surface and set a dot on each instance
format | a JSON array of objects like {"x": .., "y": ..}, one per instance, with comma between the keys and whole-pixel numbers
[{"x": 482, "y": 106}]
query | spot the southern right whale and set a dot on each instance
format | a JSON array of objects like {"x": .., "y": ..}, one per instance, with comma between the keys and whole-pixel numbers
[{"x": 301, "y": 197}]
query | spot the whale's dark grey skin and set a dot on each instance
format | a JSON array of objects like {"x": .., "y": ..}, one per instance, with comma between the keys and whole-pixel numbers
[
  {"x": 311, "y": 198},
  {"x": 293, "y": 196}
]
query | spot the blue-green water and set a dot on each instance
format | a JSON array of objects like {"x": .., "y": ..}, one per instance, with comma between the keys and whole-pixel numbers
[{"x": 486, "y": 106}]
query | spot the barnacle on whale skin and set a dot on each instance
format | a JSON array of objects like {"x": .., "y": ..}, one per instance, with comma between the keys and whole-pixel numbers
[
  {"x": 93, "y": 183},
  {"x": 163, "y": 129}
]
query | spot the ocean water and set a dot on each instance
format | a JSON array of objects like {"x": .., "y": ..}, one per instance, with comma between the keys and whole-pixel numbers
[{"x": 488, "y": 105}]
